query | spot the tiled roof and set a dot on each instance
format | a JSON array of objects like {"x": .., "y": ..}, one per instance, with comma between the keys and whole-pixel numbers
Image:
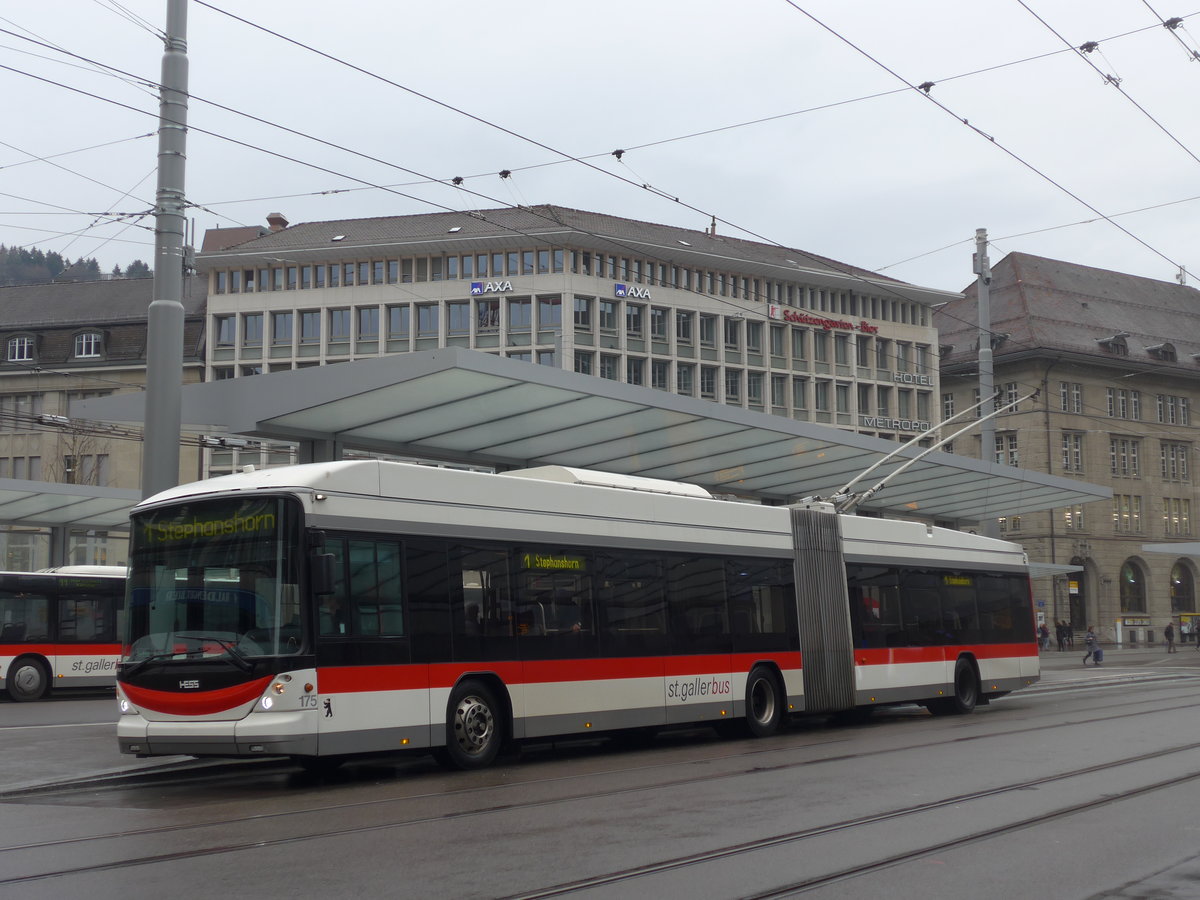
[
  {"x": 224, "y": 238},
  {"x": 544, "y": 219},
  {"x": 37, "y": 306},
  {"x": 1051, "y": 306}
]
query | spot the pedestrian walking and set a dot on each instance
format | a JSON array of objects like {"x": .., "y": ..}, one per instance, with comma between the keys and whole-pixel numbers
[
  {"x": 1044, "y": 635},
  {"x": 1169, "y": 634},
  {"x": 1060, "y": 632},
  {"x": 1092, "y": 643}
]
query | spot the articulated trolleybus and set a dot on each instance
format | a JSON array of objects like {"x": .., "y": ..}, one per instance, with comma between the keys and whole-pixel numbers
[{"x": 330, "y": 609}]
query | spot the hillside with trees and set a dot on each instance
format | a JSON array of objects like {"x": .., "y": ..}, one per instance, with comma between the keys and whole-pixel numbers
[{"x": 21, "y": 266}]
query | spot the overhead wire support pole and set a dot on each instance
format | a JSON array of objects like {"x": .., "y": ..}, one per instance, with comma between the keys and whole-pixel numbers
[
  {"x": 987, "y": 430},
  {"x": 848, "y": 504},
  {"x": 164, "y": 340}
]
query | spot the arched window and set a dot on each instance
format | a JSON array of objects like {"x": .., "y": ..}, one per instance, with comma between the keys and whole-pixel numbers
[
  {"x": 1183, "y": 588},
  {"x": 1133, "y": 588}
]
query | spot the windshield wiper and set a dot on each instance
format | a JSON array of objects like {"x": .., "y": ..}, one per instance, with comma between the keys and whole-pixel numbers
[{"x": 230, "y": 649}]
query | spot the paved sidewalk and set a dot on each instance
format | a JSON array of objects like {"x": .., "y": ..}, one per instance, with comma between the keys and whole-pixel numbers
[{"x": 1126, "y": 655}]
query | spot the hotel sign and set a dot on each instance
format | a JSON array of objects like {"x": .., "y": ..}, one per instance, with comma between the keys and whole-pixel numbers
[
  {"x": 909, "y": 378},
  {"x": 798, "y": 317},
  {"x": 889, "y": 424}
]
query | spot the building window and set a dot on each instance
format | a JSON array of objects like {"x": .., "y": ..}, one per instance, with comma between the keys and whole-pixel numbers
[
  {"x": 1172, "y": 410},
  {"x": 821, "y": 346},
  {"x": 683, "y": 327},
  {"x": 799, "y": 394},
  {"x": 520, "y": 316},
  {"x": 947, "y": 406},
  {"x": 608, "y": 315},
  {"x": 1175, "y": 461},
  {"x": 635, "y": 370},
  {"x": 658, "y": 323},
  {"x": 1006, "y": 450},
  {"x": 310, "y": 327},
  {"x": 685, "y": 379},
  {"x": 799, "y": 350},
  {"x": 778, "y": 339},
  {"x": 660, "y": 375},
  {"x": 281, "y": 329},
  {"x": 708, "y": 382},
  {"x": 634, "y": 319},
  {"x": 458, "y": 317},
  {"x": 821, "y": 396},
  {"x": 583, "y": 313},
  {"x": 1070, "y": 397},
  {"x": 708, "y": 330},
  {"x": 252, "y": 330},
  {"x": 427, "y": 320},
  {"x": 1127, "y": 514},
  {"x": 87, "y": 345},
  {"x": 608, "y": 367},
  {"x": 1124, "y": 457},
  {"x": 1177, "y": 516},
  {"x": 397, "y": 322},
  {"x": 549, "y": 313},
  {"x": 1073, "y": 517},
  {"x": 339, "y": 325},
  {"x": 1072, "y": 451},
  {"x": 1133, "y": 588},
  {"x": 583, "y": 362},
  {"x": 733, "y": 333},
  {"x": 733, "y": 386},
  {"x": 487, "y": 315},
  {"x": 1183, "y": 588},
  {"x": 368, "y": 323},
  {"x": 226, "y": 331}
]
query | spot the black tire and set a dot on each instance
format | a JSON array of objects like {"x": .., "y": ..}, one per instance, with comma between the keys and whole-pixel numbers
[
  {"x": 475, "y": 726},
  {"x": 764, "y": 702},
  {"x": 966, "y": 693},
  {"x": 28, "y": 679}
]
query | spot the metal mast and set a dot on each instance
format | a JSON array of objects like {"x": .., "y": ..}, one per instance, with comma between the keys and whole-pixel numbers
[{"x": 164, "y": 341}]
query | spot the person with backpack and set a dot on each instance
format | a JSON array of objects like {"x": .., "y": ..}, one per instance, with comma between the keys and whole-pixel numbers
[{"x": 1093, "y": 647}]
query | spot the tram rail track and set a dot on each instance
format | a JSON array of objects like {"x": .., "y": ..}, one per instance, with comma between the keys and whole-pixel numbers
[{"x": 12, "y": 854}]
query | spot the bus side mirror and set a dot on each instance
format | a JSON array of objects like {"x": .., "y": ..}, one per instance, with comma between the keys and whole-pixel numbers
[{"x": 321, "y": 573}]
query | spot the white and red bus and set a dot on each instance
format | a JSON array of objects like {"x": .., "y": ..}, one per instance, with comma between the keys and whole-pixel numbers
[
  {"x": 323, "y": 610},
  {"x": 60, "y": 628}
]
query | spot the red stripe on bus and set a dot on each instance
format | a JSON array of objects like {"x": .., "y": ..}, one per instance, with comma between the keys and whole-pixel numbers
[
  {"x": 887, "y": 656},
  {"x": 200, "y": 703},
  {"x": 61, "y": 649},
  {"x": 356, "y": 679}
]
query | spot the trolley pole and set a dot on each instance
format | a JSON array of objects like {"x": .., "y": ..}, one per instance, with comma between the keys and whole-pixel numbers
[
  {"x": 987, "y": 428},
  {"x": 164, "y": 341}
]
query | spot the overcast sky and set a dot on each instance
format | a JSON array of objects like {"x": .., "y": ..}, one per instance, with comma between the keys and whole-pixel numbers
[{"x": 848, "y": 162}]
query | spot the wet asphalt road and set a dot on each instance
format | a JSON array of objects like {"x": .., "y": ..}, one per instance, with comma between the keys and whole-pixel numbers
[{"x": 1084, "y": 786}]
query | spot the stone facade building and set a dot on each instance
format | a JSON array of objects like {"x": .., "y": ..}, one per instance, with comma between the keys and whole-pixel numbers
[
  {"x": 1116, "y": 359},
  {"x": 62, "y": 343}
]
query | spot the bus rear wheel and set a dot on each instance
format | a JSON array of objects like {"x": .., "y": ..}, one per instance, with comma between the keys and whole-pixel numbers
[
  {"x": 28, "y": 679},
  {"x": 474, "y": 726},
  {"x": 764, "y": 702},
  {"x": 966, "y": 693}
]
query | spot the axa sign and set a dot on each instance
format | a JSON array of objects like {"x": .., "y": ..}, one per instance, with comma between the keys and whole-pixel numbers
[
  {"x": 637, "y": 293},
  {"x": 490, "y": 287}
]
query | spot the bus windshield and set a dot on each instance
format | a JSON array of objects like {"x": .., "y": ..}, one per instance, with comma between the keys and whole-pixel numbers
[{"x": 214, "y": 579}]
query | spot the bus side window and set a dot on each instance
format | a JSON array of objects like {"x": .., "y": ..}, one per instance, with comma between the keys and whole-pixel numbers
[{"x": 331, "y": 617}]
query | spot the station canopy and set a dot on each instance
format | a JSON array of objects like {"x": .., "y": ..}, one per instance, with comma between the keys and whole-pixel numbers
[
  {"x": 48, "y": 504},
  {"x": 462, "y": 406}
]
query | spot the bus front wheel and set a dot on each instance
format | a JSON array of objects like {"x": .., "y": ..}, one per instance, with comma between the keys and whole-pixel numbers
[
  {"x": 474, "y": 726},
  {"x": 764, "y": 702},
  {"x": 28, "y": 679}
]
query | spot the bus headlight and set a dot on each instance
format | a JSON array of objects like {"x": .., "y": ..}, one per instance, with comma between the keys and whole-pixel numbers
[{"x": 267, "y": 702}]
